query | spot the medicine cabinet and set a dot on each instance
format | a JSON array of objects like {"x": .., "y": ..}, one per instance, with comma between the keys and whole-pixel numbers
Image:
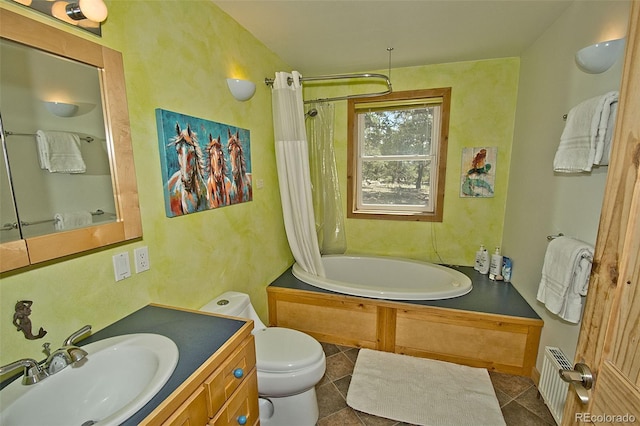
[{"x": 29, "y": 195}]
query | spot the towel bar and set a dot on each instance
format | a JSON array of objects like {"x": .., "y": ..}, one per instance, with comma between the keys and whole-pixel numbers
[
  {"x": 88, "y": 139},
  {"x": 553, "y": 237},
  {"x": 9, "y": 226}
]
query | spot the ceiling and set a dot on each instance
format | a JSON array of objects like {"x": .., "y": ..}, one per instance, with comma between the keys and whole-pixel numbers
[{"x": 319, "y": 37}]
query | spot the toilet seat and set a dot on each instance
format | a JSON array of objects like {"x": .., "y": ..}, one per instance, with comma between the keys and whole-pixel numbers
[{"x": 282, "y": 350}]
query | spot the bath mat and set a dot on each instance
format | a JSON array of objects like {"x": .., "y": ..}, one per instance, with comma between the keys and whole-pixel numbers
[{"x": 422, "y": 391}]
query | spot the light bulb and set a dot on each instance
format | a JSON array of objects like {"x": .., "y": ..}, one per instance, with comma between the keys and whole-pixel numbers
[
  {"x": 94, "y": 10},
  {"x": 59, "y": 10}
]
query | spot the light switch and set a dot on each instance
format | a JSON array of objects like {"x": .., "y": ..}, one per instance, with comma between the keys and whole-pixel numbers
[{"x": 121, "y": 266}]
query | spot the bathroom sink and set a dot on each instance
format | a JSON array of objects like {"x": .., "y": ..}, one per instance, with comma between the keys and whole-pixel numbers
[{"x": 117, "y": 378}]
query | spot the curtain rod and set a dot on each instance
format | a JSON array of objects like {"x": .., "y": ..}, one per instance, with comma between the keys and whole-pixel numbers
[{"x": 269, "y": 82}]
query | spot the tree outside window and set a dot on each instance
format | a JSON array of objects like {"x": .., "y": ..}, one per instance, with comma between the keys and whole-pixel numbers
[{"x": 397, "y": 155}]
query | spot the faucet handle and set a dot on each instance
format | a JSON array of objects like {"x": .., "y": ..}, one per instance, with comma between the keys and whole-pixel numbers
[
  {"x": 69, "y": 340},
  {"x": 46, "y": 348},
  {"x": 33, "y": 373}
]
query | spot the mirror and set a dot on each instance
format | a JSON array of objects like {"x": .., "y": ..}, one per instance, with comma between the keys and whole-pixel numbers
[
  {"x": 89, "y": 199},
  {"x": 52, "y": 201}
]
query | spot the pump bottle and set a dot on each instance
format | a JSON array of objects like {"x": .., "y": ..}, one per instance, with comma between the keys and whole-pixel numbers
[
  {"x": 476, "y": 265},
  {"x": 484, "y": 262},
  {"x": 495, "y": 268}
]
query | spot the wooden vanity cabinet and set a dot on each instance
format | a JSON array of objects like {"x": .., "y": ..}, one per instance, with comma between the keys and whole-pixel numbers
[{"x": 218, "y": 393}]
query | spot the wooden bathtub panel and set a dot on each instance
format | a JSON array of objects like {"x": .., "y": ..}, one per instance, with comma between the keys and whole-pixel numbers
[
  {"x": 496, "y": 342},
  {"x": 330, "y": 320},
  {"x": 483, "y": 343}
]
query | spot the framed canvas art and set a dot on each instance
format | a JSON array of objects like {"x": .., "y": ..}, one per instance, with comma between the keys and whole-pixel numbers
[
  {"x": 478, "y": 172},
  {"x": 205, "y": 165}
]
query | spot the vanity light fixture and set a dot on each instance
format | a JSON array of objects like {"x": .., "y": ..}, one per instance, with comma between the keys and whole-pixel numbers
[
  {"x": 61, "y": 109},
  {"x": 93, "y": 10},
  {"x": 599, "y": 57},
  {"x": 86, "y": 14},
  {"x": 242, "y": 90}
]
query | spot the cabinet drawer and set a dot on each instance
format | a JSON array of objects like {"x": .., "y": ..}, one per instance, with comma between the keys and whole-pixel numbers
[
  {"x": 226, "y": 379},
  {"x": 244, "y": 402},
  {"x": 192, "y": 412}
]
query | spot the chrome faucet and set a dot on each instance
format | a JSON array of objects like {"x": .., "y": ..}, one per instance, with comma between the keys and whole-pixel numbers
[
  {"x": 33, "y": 372},
  {"x": 67, "y": 355}
]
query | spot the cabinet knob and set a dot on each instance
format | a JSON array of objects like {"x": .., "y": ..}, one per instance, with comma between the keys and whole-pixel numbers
[
  {"x": 238, "y": 373},
  {"x": 242, "y": 420}
]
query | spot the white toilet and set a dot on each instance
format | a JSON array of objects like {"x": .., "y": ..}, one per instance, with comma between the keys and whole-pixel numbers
[{"x": 289, "y": 364}]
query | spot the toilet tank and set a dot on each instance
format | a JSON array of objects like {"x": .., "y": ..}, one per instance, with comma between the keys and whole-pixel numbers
[{"x": 234, "y": 304}]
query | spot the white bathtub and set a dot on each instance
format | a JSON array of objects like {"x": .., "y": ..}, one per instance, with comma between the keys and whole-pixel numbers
[{"x": 387, "y": 278}]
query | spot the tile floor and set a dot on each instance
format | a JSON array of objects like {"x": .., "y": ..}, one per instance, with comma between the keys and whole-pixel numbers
[{"x": 518, "y": 397}]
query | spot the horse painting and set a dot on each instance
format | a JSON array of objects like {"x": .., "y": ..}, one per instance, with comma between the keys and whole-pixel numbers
[
  {"x": 241, "y": 180},
  {"x": 218, "y": 184},
  {"x": 187, "y": 188}
]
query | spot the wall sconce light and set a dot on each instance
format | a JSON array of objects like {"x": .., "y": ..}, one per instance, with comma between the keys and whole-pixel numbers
[
  {"x": 242, "y": 90},
  {"x": 599, "y": 57},
  {"x": 61, "y": 109}
]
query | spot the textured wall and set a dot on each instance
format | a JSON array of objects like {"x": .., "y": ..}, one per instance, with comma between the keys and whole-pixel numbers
[
  {"x": 541, "y": 202},
  {"x": 177, "y": 56},
  {"x": 483, "y": 101}
]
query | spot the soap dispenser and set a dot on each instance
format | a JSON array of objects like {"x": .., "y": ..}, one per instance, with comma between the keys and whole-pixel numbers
[
  {"x": 476, "y": 265},
  {"x": 484, "y": 262},
  {"x": 495, "y": 268}
]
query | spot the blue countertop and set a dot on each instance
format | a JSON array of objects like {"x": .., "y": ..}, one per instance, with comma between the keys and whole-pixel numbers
[{"x": 488, "y": 296}]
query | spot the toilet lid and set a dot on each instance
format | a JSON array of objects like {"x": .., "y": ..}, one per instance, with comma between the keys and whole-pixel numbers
[{"x": 284, "y": 350}]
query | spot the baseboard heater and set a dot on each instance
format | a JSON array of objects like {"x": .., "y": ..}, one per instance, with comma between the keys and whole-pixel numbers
[{"x": 552, "y": 388}]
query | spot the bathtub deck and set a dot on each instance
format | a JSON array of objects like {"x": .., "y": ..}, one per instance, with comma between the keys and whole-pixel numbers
[
  {"x": 491, "y": 327},
  {"x": 487, "y": 296}
]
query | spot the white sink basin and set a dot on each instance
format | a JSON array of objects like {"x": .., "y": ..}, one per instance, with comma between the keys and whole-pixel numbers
[{"x": 118, "y": 377}]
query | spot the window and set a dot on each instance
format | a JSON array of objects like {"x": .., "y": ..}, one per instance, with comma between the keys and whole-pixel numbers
[{"x": 397, "y": 152}]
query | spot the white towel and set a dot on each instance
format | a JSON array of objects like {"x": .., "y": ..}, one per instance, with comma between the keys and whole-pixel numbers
[
  {"x": 603, "y": 149},
  {"x": 59, "y": 152},
  {"x": 72, "y": 220},
  {"x": 584, "y": 140},
  {"x": 565, "y": 277}
]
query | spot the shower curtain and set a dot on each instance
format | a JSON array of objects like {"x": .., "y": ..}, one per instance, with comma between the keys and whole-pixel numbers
[
  {"x": 292, "y": 160},
  {"x": 327, "y": 203}
]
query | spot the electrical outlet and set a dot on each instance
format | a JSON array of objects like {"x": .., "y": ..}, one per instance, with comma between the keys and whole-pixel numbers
[
  {"x": 121, "y": 266},
  {"x": 142, "y": 259}
]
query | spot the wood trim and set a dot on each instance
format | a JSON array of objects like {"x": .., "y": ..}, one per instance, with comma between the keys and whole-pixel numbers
[
  {"x": 28, "y": 31},
  {"x": 123, "y": 167},
  {"x": 386, "y": 329},
  {"x": 13, "y": 255},
  {"x": 53, "y": 246},
  {"x": 296, "y": 293},
  {"x": 352, "y": 142}
]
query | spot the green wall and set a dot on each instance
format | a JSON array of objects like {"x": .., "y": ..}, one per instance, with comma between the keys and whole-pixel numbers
[
  {"x": 177, "y": 56},
  {"x": 482, "y": 114}
]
